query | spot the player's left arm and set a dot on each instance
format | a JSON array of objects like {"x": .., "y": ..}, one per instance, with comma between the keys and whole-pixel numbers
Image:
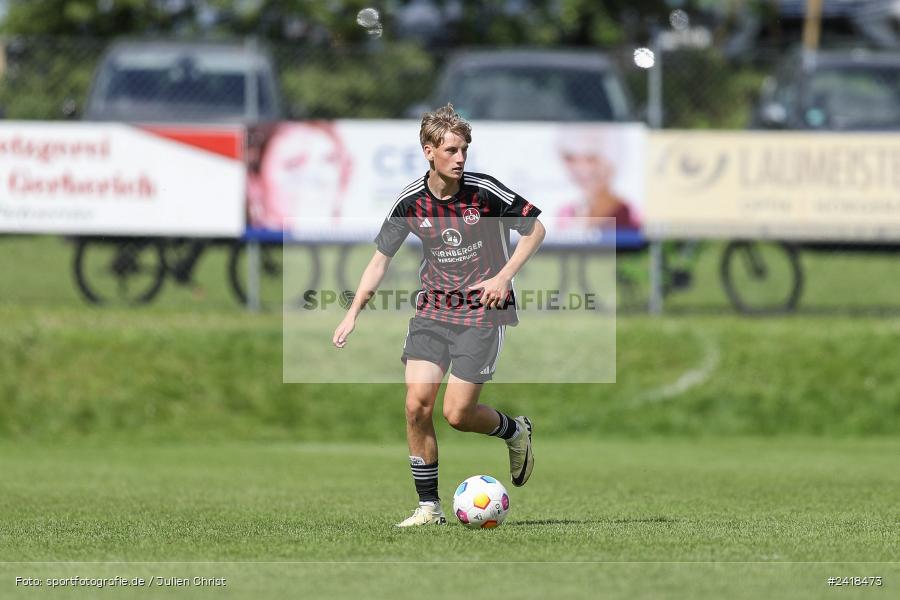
[{"x": 496, "y": 288}]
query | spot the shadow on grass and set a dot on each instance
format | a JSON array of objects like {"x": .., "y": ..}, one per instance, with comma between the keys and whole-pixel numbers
[{"x": 539, "y": 522}]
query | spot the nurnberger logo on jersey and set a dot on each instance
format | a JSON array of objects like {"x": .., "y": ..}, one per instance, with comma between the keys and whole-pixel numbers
[
  {"x": 459, "y": 254},
  {"x": 471, "y": 215},
  {"x": 451, "y": 237}
]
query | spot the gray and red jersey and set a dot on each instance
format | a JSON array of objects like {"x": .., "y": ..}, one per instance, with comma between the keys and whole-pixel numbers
[{"x": 465, "y": 240}]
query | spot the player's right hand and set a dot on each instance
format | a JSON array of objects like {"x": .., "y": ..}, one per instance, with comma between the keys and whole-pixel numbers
[{"x": 343, "y": 331}]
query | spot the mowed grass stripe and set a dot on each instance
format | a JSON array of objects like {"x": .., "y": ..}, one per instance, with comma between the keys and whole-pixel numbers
[{"x": 650, "y": 500}]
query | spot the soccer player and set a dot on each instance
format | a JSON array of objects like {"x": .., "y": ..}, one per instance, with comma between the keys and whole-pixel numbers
[{"x": 465, "y": 303}]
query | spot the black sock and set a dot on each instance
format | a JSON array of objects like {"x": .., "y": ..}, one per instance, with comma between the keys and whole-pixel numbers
[
  {"x": 507, "y": 427},
  {"x": 426, "y": 479}
]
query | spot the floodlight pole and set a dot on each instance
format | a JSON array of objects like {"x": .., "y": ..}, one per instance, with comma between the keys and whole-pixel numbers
[{"x": 655, "y": 121}]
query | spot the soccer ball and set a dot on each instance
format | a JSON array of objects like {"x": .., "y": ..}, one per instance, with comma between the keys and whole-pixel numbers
[{"x": 481, "y": 502}]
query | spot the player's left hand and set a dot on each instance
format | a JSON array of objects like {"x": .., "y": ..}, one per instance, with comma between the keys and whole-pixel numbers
[
  {"x": 493, "y": 290},
  {"x": 344, "y": 329}
]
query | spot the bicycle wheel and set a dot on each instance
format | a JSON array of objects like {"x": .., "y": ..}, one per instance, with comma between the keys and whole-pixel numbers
[
  {"x": 761, "y": 277},
  {"x": 271, "y": 274},
  {"x": 128, "y": 271}
]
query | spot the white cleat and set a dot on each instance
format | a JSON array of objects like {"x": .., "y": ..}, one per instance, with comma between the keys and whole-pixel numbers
[
  {"x": 425, "y": 514},
  {"x": 521, "y": 456}
]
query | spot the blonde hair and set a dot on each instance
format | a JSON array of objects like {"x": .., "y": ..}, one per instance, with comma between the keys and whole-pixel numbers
[{"x": 437, "y": 123}]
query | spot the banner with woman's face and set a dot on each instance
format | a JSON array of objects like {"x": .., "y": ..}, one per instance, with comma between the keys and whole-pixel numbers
[
  {"x": 348, "y": 171},
  {"x": 301, "y": 169}
]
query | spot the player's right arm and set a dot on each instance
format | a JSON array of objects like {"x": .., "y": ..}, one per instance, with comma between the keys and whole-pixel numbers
[
  {"x": 394, "y": 230},
  {"x": 368, "y": 283}
]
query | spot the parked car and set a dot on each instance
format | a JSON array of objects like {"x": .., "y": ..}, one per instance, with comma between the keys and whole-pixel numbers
[
  {"x": 847, "y": 90},
  {"x": 183, "y": 82},
  {"x": 531, "y": 85},
  {"x": 174, "y": 83}
]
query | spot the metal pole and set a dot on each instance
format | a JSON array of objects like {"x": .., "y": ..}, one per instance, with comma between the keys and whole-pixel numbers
[
  {"x": 251, "y": 81},
  {"x": 812, "y": 31},
  {"x": 251, "y": 89},
  {"x": 655, "y": 84},
  {"x": 655, "y": 121},
  {"x": 253, "y": 303},
  {"x": 812, "y": 25}
]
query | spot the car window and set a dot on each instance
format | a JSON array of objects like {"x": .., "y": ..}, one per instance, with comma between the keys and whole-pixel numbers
[
  {"x": 136, "y": 91},
  {"x": 225, "y": 90},
  {"x": 855, "y": 98},
  {"x": 528, "y": 93}
]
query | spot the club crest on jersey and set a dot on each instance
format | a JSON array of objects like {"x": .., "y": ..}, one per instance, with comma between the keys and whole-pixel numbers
[
  {"x": 451, "y": 237},
  {"x": 471, "y": 215}
]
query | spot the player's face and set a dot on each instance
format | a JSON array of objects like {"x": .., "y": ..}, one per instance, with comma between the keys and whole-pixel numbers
[{"x": 449, "y": 159}]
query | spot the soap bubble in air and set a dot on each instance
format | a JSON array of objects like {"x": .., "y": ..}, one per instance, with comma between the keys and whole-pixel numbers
[
  {"x": 679, "y": 20},
  {"x": 644, "y": 58},
  {"x": 368, "y": 18}
]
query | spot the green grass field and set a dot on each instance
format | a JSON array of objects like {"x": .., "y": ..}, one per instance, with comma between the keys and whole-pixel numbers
[
  {"x": 677, "y": 503},
  {"x": 732, "y": 457}
]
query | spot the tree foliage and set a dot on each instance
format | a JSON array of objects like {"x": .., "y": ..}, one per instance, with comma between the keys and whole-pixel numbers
[
  {"x": 470, "y": 22},
  {"x": 330, "y": 65}
]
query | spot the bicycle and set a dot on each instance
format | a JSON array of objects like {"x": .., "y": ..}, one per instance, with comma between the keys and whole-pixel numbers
[
  {"x": 132, "y": 271},
  {"x": 590, "y": 266},
  {"x": 758, "y": 277}
]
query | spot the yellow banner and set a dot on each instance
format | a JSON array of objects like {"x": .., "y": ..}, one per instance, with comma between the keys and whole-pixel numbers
[{"x": 824, "y": 186}]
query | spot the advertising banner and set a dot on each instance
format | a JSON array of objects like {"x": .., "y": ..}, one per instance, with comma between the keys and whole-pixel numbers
[
  {"x": 782, "y": 185},
  {"x": 348, "y": 172},
  {"x": 116, "y": 179}
]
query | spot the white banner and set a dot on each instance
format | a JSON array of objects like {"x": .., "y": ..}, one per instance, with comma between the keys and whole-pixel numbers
[
  {"x": 346, "y": 172},
  {"x": 115, "y": 179}
]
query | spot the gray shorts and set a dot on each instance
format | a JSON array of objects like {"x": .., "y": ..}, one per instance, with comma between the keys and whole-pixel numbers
[{"x": 471, "y": 353}]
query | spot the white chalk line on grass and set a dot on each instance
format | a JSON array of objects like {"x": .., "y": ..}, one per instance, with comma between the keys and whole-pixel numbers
[{"x": 689, "y": 379}]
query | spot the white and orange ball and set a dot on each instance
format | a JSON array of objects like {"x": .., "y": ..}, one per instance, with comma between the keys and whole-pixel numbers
[{"x": 481, "y": 502}]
